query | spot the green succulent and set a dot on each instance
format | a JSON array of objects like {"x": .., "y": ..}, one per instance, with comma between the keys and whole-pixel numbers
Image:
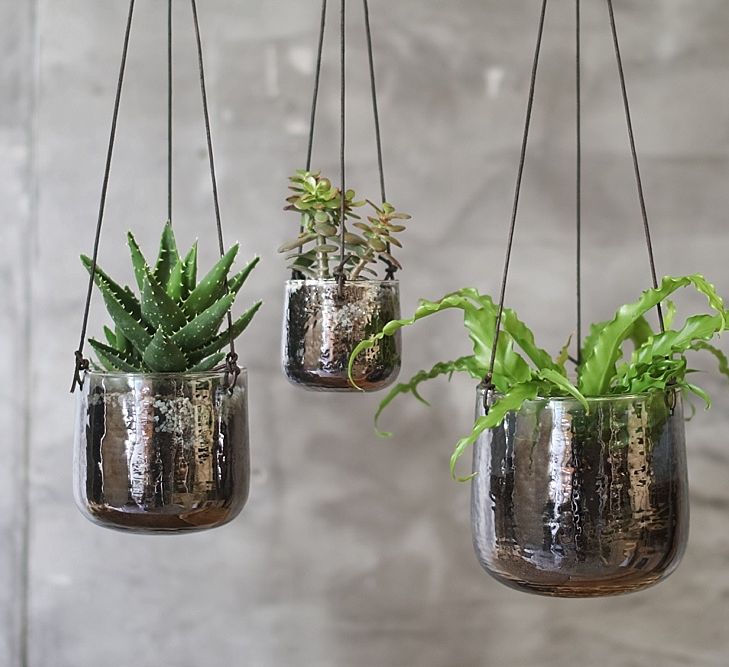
[
  {"x": 173, "y": 326},
  {"x": 316, "y": 252}
]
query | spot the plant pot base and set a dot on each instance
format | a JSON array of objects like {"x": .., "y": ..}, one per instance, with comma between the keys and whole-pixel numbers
[{"x": 138, "y": 520}]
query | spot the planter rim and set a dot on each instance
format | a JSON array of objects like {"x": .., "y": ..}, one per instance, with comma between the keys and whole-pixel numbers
[
  {"x": 333, "y": 281},
  {"x": 593, "y": 399},
  {"x": 184, "y": 374}
]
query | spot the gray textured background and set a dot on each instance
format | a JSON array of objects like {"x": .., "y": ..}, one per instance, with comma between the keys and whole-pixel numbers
[{"x": 352, "y": 552}]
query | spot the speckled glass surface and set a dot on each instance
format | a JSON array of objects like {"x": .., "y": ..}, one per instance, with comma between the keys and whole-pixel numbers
[
  {"x": 575, "y": 504},
  {"x": 322, "y": 327},
  {"x": 161, "y": 453}
]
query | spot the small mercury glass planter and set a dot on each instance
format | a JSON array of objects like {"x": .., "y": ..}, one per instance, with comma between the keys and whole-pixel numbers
[
  {"x": 322, "y": 327},
  {"x": 161, "y": 453},
  {"x": 568, "y": 503}
]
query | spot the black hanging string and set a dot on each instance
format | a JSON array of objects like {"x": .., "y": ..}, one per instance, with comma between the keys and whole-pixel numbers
[
  {"x": 232, "y": 368},
  {"x": 82, "y": 364},
  {"x": 517, "y": 193},
  {"x": 341, "y": 276},
  {"x": 391, "y": 268},
  {"x": 169, "y": 110},
  {"x": 578, "y": 78},
  {"x": 317, "y": 79},
  {"x": 634, "y": 153},
  {"x": 314, "y": 106}
]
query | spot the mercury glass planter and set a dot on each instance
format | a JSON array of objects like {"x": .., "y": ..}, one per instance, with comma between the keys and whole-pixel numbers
[
  {"x": 322, "y": 327},
  {"x": 161, "y": 453},
  {"x": 568, "y": 503}
]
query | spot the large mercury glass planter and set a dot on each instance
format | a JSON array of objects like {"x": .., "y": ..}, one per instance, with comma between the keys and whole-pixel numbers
[
  {"x": 571, "y": 503},
  {"x": 323, "y": 324},
  {"x": 161, "y": 453}
]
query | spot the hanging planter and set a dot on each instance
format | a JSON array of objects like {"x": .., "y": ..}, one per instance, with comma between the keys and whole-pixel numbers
[
  {"x": 576, "y": 501},
  {"x": 162, "y": 418},
  {"x": 579, "y": 477},
  {"x": 579, "y": 485},
  {"x": 336, "y": 298},
  {"x": 159, "y": 453},
  {"x": 323, "y": 325}
]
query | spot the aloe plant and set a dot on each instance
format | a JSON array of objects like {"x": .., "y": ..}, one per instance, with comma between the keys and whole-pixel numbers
[
  {"x": 173, "y": 326},
  {"x": 316, "y": 252},
  {"x": 523, "y": 371}
]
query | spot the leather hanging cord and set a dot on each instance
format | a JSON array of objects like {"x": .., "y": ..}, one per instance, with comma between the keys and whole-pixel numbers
[
  {"x": 341, "y": 276},
  {"x": 634, "y": 153},
  {"x": 578, "y": 79},
  {"x": 391, "y": 268},
  {"x": 82, "y": 364},
  {"x": 170, "y": 82},
  {"x": 517, "y": 193},
  {"x": 232, "y": 368}
]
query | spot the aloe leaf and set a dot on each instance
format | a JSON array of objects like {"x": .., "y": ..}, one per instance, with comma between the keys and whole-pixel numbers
[
  {"x": 204, "y": 326},
  {"x": 212, "y": 287},
  {"x": 175, "y": 285},
  {"x": 168, "y": 256},
  {"x": 238, "y": 280},
  {"x": 112, "y": 359},
  {"x": 599, "y": 367},
  {"x": 189, "y": 272},
  {"x": 239, "y": 326},
  {"x": 163, "y": 356},
  {"x": 208, "y": 364},
  {"x": 464, "y": 364},
  {"x": 128, "y": 323},
  {"x": 157, "y": 306},
  {"x": 139, "y": 263},
  {"x": 511, "y": 401},
  {"x": 111, "y": 338},
  {"x": 123, "y": 295}
]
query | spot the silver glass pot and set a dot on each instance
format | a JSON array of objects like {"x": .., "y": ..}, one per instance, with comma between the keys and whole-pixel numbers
[
  {"x": 161, "y": 453},
  {"x": 323, "y": 325},
  {"x": 574, "y": 503}
]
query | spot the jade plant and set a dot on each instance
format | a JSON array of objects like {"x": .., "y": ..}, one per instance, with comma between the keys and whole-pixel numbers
[
  {"x": 173, "y": 326},
  {"x": 607, "y": 365},
  {"x": 316, "y": 252}
]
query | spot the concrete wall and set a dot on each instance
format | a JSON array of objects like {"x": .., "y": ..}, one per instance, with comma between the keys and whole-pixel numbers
[{"x": 352, "y": 551}]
